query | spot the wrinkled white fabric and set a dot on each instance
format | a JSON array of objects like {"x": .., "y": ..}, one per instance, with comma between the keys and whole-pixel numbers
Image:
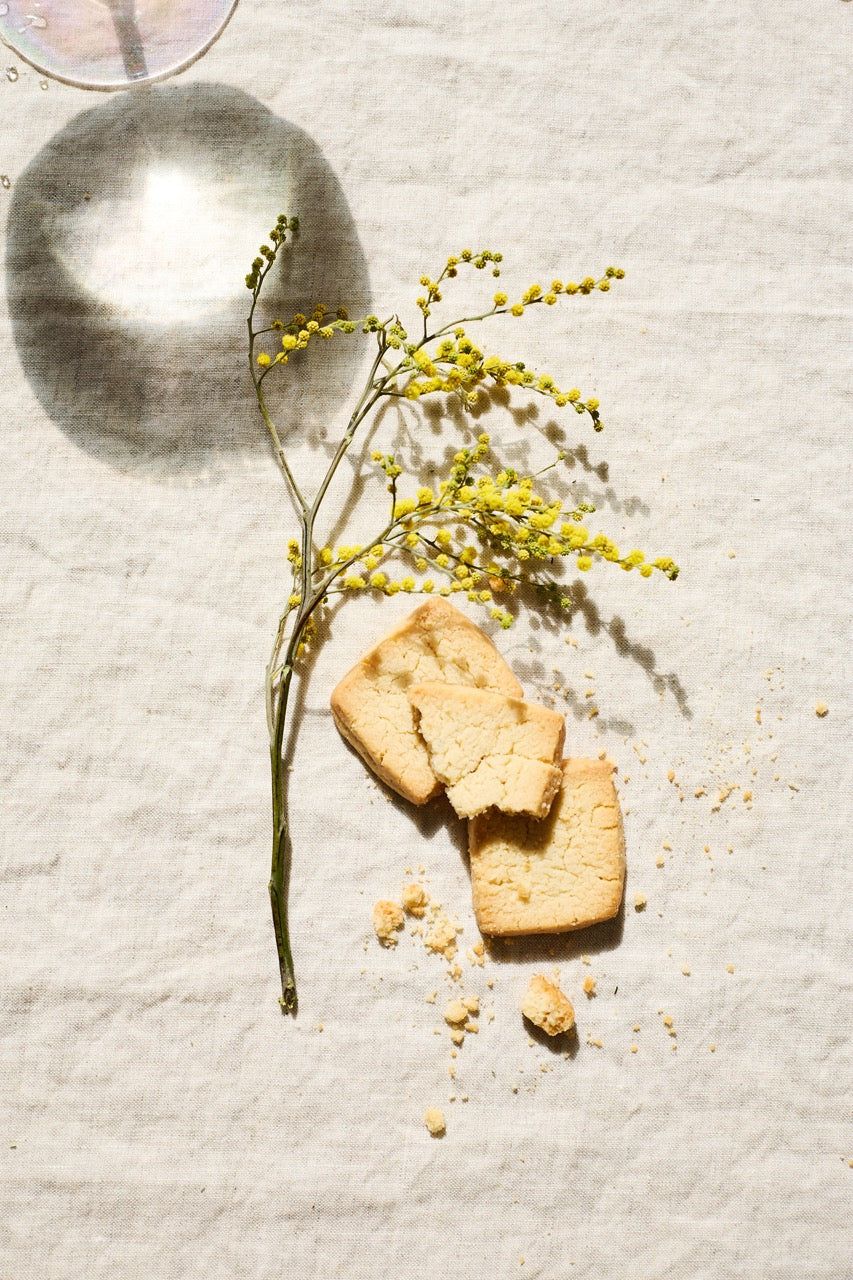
[{"x": 160, "y": 1118}]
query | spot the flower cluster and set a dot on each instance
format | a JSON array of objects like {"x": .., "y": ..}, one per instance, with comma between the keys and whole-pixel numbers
[{"x": 485, "y": 532}]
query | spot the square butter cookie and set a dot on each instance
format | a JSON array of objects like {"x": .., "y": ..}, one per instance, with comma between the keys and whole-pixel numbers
[{"x": 549, "y": 875}]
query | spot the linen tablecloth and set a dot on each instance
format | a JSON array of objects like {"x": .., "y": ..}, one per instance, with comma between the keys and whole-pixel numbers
[{"x": 161, "y": 1119}]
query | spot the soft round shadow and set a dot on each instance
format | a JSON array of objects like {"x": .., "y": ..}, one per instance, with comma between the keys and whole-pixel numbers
[{"x": 129, "y": 238}]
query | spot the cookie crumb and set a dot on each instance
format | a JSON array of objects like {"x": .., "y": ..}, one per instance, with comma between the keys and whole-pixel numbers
[
  {"x": 589, "y": 986},
  {"x": 455, "y": 1013},
  {"x": 546, "y": 1006},
  {"x": 415, "y": 899},
  {"x": 639, "y": 902},
  {"x": 387, "y": 919},
  {"x": 821, "y": 710},
  {"x": 434, "y": 1121}
]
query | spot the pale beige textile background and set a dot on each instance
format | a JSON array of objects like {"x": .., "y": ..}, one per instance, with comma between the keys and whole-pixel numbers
[{"x": 160, "y": 1120}]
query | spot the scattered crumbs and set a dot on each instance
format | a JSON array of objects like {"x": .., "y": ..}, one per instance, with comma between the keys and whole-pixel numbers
[
  {"x": 434, "y": 1121},
  {"x": 666, "y": 845},
  {"x": 472, "y": 1004},
  {"x": 589, "y": 986},
  {"x": 712, "y": 1046},
  {"x": 670, "y": 777},
  {"x": 731, "y": 555},
  {"x": 319, "y": 1026},
  {"x": 602, "y": 755},
  {"x": 747, "y": 796},
  {"x": 431, "y": 998},
  {"x": 590, "y": 693},
  {"x": 594, "y": 1042},
  {"x": 415, "y": 899},
  {"x": 700, "y": 791},
  {"x": 472, "y": 1027},
  {"x": 639, "y": 902},
  {"x": 457, "y": 1036},
  {"x": 587, "y": 675},
  {"x": 758, "y": 715},
  {"x": 660, "y": 860},
  {"x": 685, "y": 969},
  {"x": 634, "y": 1048},
  {"x": 821, "y": 710},
  {"x": 667, "y": 1021},
  {"x": 793, "y": 786},
  {"x": 592, "y": 713},
  {"x": 586, "y": 960},
  {"x": 387, "y": 919},
  {"x": 451, "y": 1070},
  {"x": 730, "y": 968}
]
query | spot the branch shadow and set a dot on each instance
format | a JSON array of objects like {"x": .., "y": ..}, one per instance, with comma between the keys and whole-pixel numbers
[{"x": 129, "y": 235}]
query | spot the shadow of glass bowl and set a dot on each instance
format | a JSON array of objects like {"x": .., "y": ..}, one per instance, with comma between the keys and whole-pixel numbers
[{"x": 129, "y": 238}]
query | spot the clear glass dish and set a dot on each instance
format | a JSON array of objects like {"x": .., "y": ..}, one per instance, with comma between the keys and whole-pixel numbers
[{"x": 111, "y": 44}]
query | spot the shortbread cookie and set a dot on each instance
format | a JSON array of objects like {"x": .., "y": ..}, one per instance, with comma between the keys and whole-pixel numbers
[
  {"x": 562, "y": 872},
  {"x": 370, "y": 706},
  {"x": 490, "y": 751},
  {"x": 545, "y": 1006}
]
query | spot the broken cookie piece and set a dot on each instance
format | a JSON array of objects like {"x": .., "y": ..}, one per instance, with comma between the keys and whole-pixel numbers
[
  {"x": 550, "y": 875},
  {"x": 490, "y": 750},
  {"x": 545, "y": 1006},
  {"x": 370, "y": 706}
]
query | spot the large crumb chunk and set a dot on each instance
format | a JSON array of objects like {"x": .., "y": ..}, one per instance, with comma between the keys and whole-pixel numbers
[
  {"x": 562, "y": 872},
  {"x": 370, "y": 706},
  {"x": 490, "y": 750},
  {"x": 415, "y": 899},
  {"x": 387, "y": 919},
  {"x": 545, "y": 1006},
  {"x": 434, "y": 1121},
  {"x": 441, "y": 937},
  {"x": 455, "y": 1013}
]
